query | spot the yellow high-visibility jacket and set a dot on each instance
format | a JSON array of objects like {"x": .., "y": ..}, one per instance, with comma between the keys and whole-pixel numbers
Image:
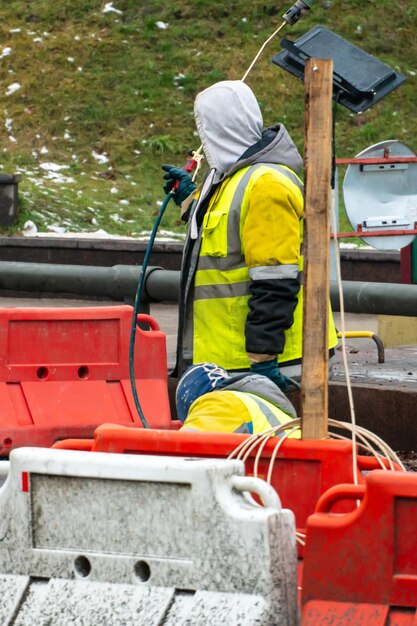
[
  {"x": 243, "y": 275},
  {"x": 235, "y": 412}
]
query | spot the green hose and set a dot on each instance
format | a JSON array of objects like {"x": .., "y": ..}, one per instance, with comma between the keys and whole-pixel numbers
[{"x": 136, "y": 307}]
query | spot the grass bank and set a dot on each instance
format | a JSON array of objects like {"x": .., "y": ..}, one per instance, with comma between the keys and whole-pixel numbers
[{"x": 95, "y": 96}]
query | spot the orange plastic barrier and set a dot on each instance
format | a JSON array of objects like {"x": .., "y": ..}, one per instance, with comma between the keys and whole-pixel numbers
[
  {"x": 361, "y": 567},
  {"x": 64, "y": 371},
  {"x": 302, "y": 471}
]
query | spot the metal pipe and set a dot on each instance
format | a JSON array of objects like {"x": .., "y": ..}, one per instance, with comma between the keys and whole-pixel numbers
[
  {"x": 117, "y": 282},
  {"x": 376, "y": 298},
  {"x": 120, "y": 282}
]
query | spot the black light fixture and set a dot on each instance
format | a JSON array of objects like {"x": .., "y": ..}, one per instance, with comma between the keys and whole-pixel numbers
[{"x": 359, "y": 79}]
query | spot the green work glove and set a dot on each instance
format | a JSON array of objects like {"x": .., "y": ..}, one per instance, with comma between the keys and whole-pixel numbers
[
  {"x": 270, "y": 370},
  {"x": 186, "y": 186}
]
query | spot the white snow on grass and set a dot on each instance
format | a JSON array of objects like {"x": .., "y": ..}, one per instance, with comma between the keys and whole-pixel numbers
[
  {"x": 53, "y": 167},
  {"x": 101, "y": 157},
  {"x": 29, "y": 229},
  {"x": 5, "y": 52},
  {"x": 11, "y": 89},
  {"x": 97, "y": 234},
  {"x": 109, "y": 8},
  {"x": 53, "y": 173},
  {"x": 59, "y": 230}
]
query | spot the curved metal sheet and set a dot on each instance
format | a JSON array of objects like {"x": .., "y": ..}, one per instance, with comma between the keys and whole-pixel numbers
[{"x": 382, "y": 197}]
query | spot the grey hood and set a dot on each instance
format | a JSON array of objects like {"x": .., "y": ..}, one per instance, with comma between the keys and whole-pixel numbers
[
  {"x": 229, "y": 123},
  {"x": 260, "y": 386}
]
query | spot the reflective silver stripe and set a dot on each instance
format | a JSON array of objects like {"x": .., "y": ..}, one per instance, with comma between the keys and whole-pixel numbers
[
  {"x": 234, "y": 258},
  {"x": 272, "y": 419},
  {"x": 231, "y": 262},
  {"x": 270, "y": 272},
  {"x": 233, "y": 226},
  {"x": 288, "y": 173},
  {"x": 230, "y": 290},
  {"x": 239, "y": 193}
]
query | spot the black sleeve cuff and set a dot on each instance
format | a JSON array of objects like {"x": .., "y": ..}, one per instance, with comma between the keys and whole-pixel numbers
[{"x": 272, "y": 304}]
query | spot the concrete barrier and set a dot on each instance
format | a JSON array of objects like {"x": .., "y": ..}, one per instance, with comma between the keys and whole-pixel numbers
[{"x": 103, "y": 539}]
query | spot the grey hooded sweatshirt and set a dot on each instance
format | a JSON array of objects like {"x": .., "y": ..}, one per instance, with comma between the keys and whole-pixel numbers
[{"x": 230, "y": 125}]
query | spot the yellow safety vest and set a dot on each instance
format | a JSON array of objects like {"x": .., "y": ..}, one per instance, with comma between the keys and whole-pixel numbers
[
  {"x": 221, "y": 286},
  {"x": 222, "y": 411}
]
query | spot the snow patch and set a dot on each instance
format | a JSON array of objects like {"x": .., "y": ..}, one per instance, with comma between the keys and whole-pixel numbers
[
  {"x": 53, "y": 173},
  {"x": 29, "y": 229},
  {"x": 101, "y": 157},
  {"x": 5, "y": 52},
  {"x": 11, "y": 89},
  {"x": 348, "y": 246},
  {"x": 53, "y": 167},
  {"x": 52, "y": 228},
  {"x": 109, "y": 8}
]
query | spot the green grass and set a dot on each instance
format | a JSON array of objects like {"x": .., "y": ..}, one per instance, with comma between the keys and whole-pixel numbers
[{"x": 118, "y": 85}]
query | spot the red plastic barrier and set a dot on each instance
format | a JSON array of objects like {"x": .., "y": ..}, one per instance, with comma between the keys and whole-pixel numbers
[
  {"x": 303, "y": 470},
  {"x": 64, "y": 371},
  {"x": 361, "y": 567}
]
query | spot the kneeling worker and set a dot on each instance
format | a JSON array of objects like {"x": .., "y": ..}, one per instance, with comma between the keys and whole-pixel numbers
[{"x": 209, "y": 399}]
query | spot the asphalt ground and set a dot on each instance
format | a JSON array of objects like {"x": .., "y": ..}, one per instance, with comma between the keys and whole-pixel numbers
[{"x": 400, "y": 364}]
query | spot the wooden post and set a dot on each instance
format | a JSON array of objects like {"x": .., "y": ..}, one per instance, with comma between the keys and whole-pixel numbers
[{"x": 318, "y": 78}]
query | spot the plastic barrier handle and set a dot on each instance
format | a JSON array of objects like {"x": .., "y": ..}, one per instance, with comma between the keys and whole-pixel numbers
[
  {"x": 4, "y": 468},
  {"x": 148, "y": 319},
  {"x": 368, "y": 463},
  {"x": 265, "y": 492},
  {"x": 339, "y": 492},
  {"x": 85, "y": 445}
]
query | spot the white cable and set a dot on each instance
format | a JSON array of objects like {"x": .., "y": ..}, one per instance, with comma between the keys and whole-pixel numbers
[
  {"x": 261, "y": 49},
  {"x": 342, "y": 320}
]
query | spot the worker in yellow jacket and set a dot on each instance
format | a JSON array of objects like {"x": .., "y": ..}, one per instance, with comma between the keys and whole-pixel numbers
[
  {"x": 241, "y": 295},
  {"x": 209, "y": 399}
]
